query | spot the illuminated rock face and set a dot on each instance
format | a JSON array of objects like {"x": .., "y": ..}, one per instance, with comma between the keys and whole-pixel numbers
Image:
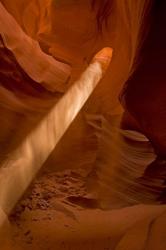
[{"x": 43, "y": 69}]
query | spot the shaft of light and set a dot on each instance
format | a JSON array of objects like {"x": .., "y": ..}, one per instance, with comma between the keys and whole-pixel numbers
[{"x": 21, "y": 167}]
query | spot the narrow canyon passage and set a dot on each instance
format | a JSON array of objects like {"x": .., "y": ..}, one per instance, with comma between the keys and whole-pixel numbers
[{"x": 82, "y": 125}]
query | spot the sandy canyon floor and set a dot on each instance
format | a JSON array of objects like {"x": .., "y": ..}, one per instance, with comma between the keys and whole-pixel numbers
[{"x": 46, "y": 219}]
